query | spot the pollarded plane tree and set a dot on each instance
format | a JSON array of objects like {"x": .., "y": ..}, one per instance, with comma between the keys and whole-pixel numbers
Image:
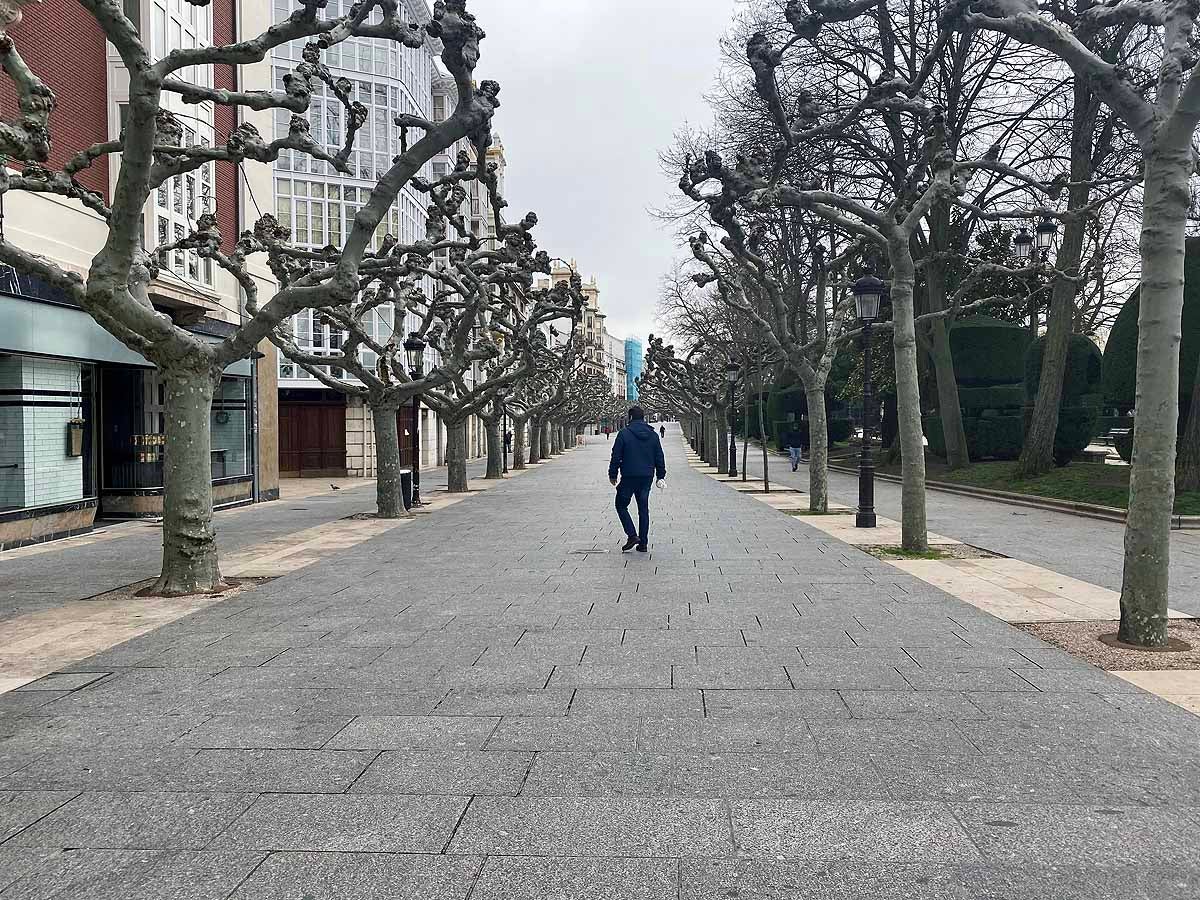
[
  {"x": 874, "y": 120},
  {"x": 484, "y": 302},
  {"x": 697, "y": 380},
  {"x": 694, "y": 313},
  {"x": 555, "y": 366},
  {"x": 371, "y": 360},
  {"x": 1162, "y": 112},
  {"x": 115, "y": 290},
  {"x": 659, "y": 394}
]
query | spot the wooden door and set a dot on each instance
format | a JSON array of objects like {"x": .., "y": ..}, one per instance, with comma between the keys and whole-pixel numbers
[
  {"x": 312, "y": 439},
  {"x": 405, "y": 430}
]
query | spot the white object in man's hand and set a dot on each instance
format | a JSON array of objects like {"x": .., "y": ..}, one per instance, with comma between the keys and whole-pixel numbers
[
  {"x": 613, "y": 482},
  {"x": 662, "y": 483}
]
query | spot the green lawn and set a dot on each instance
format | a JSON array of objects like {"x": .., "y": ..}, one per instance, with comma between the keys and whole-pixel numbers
[{"x": 1078, "y": 482}]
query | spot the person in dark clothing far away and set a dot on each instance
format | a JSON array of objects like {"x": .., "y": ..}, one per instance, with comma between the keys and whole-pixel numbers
[
  {"x": 662, "y": 431},
  {"x": 795, "y": 447},
  {"x": 637, "y": 457},
  {"x": 507, "y": 442}
]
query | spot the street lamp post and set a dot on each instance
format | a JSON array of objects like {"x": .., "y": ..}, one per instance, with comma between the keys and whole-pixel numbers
[
  {"x": 731, "y": 375},
  {"x": 414, "y": 348},
  {"x": 868, "y": 291}
]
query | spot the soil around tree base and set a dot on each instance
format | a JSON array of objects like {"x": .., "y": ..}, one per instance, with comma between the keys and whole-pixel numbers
[{"x": 1086, "y": 641}]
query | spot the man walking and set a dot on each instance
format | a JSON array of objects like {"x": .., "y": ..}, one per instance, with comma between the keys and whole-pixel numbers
[{"x": 637, "y": 456}]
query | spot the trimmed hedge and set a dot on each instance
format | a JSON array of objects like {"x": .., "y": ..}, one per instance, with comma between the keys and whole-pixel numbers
[
  {"x": 988, "y": 437},
  {"x": 1120, "y": 353},
  {"x": 1004, "y": 396},
  {"x": 987, "y": 351},
  {"x": 1079, "y": 410},
  {"x": 1124, "y": 445},
  {"x": 1084, "y": 374}
]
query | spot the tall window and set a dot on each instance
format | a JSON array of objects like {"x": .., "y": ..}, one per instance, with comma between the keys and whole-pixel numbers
[{"x": 178, "y": 203}]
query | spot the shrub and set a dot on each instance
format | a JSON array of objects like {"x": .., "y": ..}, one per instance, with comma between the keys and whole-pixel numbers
[
  {"x": 1083, "y": 375},
  {"x": 987, "y": 351},
  {"x": 1120, "y": 352},
  {"x": 840, "y": 430},
  {"x": 997, "y": 437}
]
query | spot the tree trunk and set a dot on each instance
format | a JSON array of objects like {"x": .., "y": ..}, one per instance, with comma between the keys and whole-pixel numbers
[
  {"x": 1037, "y": 451},
  {"x": 544, "y": 437},
  {"x": 818, "y": 450},
  {"x": 1145, "y": 582},
  {"x": 908, "y": 391},
  {"x": 949, "y": 407},
  {"x": 535, "y": 442},
  {"x": 722, "y": 442},
  {"x": 1187, "y": 467},
  {"x": 746, "y": 420},
  {"x": 762, "y": 433},
  {"x": 518, "y": 427},
  {"x": 189, "y": 562},
  {"x": 712, "y": 441},
  {"x": 456, "y": 457},
  {"x": 495, "y": 449},
  {"x": 389, "y": 495}
]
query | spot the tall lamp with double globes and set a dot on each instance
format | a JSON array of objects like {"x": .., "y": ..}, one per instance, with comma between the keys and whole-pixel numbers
[
  {"x": 732, "y": 371},
  {"x": 868, "y": 292},
  {"x": 414, "y": 349}
]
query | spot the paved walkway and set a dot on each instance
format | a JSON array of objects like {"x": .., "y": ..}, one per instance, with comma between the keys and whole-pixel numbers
[
  {"x": 478, "y": 706},
  {"x": 1091, "y": 550}
]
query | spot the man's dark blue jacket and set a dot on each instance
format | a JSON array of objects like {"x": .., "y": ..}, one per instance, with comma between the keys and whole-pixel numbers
[{"x": 637, "y": 453}]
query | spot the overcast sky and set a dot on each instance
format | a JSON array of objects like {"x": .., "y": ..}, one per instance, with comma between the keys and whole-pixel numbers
[{"x": 591, "y": 91}]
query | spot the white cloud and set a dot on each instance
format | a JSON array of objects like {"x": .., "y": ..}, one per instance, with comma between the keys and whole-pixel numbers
[{"x": 591, "y": 92}]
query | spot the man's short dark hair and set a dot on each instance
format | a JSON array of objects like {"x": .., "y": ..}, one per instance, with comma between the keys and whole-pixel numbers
[{"x": 636, "y": 413}]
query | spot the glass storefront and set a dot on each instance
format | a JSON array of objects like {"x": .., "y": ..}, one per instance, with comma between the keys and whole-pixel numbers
[
  {"x": 46, "y": 426},
  {"x": 134, "y": 430}
]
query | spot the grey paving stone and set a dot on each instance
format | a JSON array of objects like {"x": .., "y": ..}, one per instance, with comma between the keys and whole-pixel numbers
[
  {"x": 789, "y": 879},
  {"x": 116, "y": 769},
  {"x": 853, "y": 677},
  {"x": 20, "y": 809},
  {"x": 241, "y": 732},
  {"x": 730, "y": 735},
  {"x": 624, "y": 656},
  {"x": 572, "y": 732},
  {"x": 414, "y": 733},
  {"x": 633, "y": 704},
  {"x": 290, "y": 771},
  {"x": 343, "y": 823},
  {"x": 460, "y": 772},
  {"x": 129, "y": 874},
  {"x": 971, "y": 777},
  {"x": 1073, "y": 680},
  {"x": 971, "y": 679},
  {"x": 612, "y": 676},
  {"x": 961, "y": 659},
  {"x": 363, "y": 876},
  {"x": 1095, "y": 836},
  {"x": 858, "y": 656},
  {"x": 754, "y": 704},
  {"x": 141, "y": 820},
  {"x": 541, "y": 878},
  {"x": 601, "y": 774},
  {"x": 837, "y": 737},
  {"x": 626, "y": 827},
  {"x": 914, "y": 705},
  {"x": 17, "y": 862},
  {"x": 731, "y": 675},
  {"x": 63, "y": 681},
  {"x": 874, "y": 830},
  {"x": 475, "y": 702}
]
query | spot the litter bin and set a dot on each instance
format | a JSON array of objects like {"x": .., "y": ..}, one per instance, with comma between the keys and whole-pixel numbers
[{"x": 406, "y": 487}]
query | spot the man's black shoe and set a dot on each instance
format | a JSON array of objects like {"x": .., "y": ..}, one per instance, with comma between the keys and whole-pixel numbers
[
  {"x": 629, "y": 545},
  {"x": 642, "y": 548}
]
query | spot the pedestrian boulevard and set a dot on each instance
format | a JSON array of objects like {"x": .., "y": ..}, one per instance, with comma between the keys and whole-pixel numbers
[{"x": 495, "y": 703}]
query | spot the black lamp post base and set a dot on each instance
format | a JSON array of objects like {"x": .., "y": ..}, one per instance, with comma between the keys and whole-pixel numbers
[{"x": 864, "y": 520}]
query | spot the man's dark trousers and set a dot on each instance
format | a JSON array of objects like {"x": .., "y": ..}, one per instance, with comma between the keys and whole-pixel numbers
[{"x": 639, "y": 489}]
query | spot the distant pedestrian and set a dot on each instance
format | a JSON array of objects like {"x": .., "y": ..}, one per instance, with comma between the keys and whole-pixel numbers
[
  {"x": 637, "y": 457},
  {"x": 607, "y": 433},
  {"x": 794, "y": 443},
  {"x": 507, "y": 442},
  {"x": 662, "y": 431}
]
